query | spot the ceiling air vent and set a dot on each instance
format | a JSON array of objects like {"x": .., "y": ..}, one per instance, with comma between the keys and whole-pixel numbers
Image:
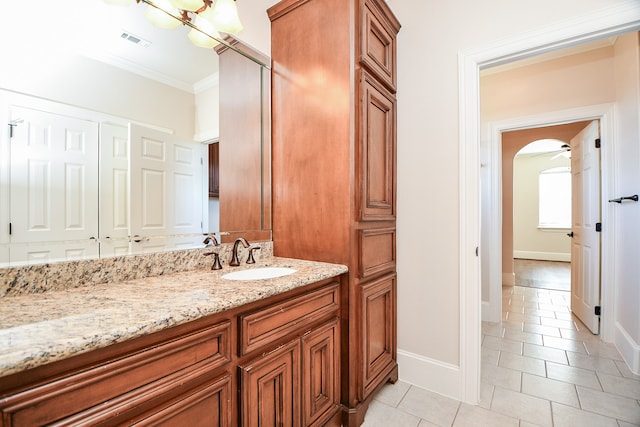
[{"x": 135, "y": 39}]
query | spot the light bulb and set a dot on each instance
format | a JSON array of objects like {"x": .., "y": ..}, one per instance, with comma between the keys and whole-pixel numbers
[
  {"x": 160, "y": 18},
  {"x": 225, "y": 17}
]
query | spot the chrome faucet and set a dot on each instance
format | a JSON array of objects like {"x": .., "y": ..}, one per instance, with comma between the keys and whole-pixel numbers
[
  {"x": 234, "y": 253},
  {"x": 208, "y": 241}
]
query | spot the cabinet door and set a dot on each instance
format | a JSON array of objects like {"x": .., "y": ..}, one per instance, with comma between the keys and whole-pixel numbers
[
  {"x": 378, "y": 49},
  {"x": 378, "y": 151},
  {"x": 320, "y": 373},
  {"x": 270, "y": 388},
  {"x": 378, "y": 305}
]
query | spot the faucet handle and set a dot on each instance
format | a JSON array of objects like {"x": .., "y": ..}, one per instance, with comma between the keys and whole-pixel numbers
[
  {"x": 250, "y": 259},
  {"x": 216, "y": 260}
]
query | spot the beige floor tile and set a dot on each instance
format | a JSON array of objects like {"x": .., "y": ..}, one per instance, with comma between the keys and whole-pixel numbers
[
  {"x": 539, "y": 312},
  {"x": 528, "y": 424},
  {"x": 518, "y": 317},
  {"x": 573, "y": 334},
  {"x": 429, "y": 406},
  {"x": 598, "y": 364},
  {"x": 522, "y": 363},
  {"x": 554, "y": 307},
  {"x": 486, "y": 394},
  {"x": 567, "y": 416},
  {"x": 564, "y": 316},
  {"x": 556, "y": 391},
  {"x": 522, "y": 406},
  {"x": 425, "y": 423},
  {"x": 502, "y": 377},
  {"x": 573, "y": 375},
  {"x": 564, "y": 324},
  {"x": 502, "y": 344},
  {"x": 601, "y": 349},
  {"x": 493, "y": 329},
  {"x": 489, "y": 356},
  {"x": 542, "y": 330},
  {"x": 621, "y": 408},
  {"x": 392, "y": 394},
  {"x": 625, "y": 371},
  {"x": 475, "y": 416},
  {"x": 512, "y": 326},
  {"x": 523, "y": 336},
  {"x": 561, "y": 343},
  {"x": 626, "y": 424},
  {"x": 381, "y": 415},
  {"x": 620, "y": 386},
  {"x": 547, "y": 353}
]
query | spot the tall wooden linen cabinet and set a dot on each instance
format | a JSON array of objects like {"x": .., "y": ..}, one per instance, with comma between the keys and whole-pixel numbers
[{"x": 334, "y": 169}]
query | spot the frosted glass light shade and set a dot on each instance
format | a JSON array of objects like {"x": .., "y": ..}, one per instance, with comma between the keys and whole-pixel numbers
[
  {"x": 159, "y": 18},
  {"x": 225, "y": 17},
  {"x": 203, "y": 40},
  {"x": 190, "y": 5}
]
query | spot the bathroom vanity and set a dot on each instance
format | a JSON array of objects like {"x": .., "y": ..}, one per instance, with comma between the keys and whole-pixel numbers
[{"x": 190, "y": 348}]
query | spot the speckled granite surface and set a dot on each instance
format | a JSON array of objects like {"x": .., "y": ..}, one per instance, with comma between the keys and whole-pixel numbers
[
  {"x": 40, "y": 328},
  {"x": 36, "y": 279}
]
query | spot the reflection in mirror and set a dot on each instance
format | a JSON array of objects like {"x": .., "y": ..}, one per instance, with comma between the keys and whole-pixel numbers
[{"x": 104, "y": 149}]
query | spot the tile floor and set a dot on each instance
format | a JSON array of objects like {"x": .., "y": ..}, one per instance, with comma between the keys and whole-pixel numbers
[{"x": 540, "y": 367}]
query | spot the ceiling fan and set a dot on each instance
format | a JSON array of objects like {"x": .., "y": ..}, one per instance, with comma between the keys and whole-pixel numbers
[{"x": 565, "y": 151}]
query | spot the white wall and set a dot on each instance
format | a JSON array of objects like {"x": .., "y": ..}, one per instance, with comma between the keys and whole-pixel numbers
[
  {"x": 627, "y": 215},
  {"x": 529, "y": 241}
]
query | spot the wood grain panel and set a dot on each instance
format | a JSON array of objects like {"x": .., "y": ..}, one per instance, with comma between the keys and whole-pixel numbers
[
  {"x": 377, "y": 251},
  {"x": 378, "y": 43}
]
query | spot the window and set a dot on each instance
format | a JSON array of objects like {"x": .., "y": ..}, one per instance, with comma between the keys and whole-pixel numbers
[{"x": 554, "y": 192}]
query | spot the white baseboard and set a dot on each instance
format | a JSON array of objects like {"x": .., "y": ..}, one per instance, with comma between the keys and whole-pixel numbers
[
  {"x": 508, "y": 279},
  {"x": 542, "y": 256},
  {"x": 432, "y": 375},
  {"x": 628, "y": 348}
]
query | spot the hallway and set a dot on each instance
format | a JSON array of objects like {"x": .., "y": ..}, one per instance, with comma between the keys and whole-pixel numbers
[{"x": 540, "y": 367}]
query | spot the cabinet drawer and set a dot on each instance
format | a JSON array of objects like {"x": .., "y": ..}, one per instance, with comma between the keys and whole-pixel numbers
[
  {"x": 268, "y": 325},
  {"x": 377, "y": 251},
  {"x": 208, "y": 347},
  {"x": 378, "y": 43}
]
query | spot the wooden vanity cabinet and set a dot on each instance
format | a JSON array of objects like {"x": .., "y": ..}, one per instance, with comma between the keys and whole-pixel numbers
[
  {"x": 334, "y": 169},
  {"x": 271, "y": 362}
]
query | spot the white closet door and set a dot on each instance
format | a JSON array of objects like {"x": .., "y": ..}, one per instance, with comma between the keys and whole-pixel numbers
[
  {"x": 165, "y": 188},
  {"x": 54, "y": 181},
  {"x": 114, "y": 189}
]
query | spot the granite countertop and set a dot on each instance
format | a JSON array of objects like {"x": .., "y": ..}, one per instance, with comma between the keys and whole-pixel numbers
[{"x": 43, "y": 328}]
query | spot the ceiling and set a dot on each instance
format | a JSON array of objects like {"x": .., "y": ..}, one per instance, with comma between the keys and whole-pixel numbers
[{"x": 94, "y": 29}]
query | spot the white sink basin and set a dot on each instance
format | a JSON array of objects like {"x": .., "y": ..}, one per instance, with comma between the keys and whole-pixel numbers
[{"x": 259, "y": 273}]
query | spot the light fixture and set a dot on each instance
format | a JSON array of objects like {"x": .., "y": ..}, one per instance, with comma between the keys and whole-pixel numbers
[
  {"x": 205, "y": 35},
  {"x": 225, "y": 16},
  {"x": 206, "y": 18},
  {"x": 190, "y": 5},
  {"x": 163, "y": 15}
]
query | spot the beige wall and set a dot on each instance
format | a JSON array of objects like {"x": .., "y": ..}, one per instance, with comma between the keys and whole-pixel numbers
[{"x": 529, "y": 241}]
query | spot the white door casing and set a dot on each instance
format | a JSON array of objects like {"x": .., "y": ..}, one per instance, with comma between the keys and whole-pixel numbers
[
  {"x": 585, "y": 213},
  {"x": 54, "y": 171}
]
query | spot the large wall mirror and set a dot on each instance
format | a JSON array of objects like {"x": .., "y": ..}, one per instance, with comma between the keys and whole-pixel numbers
[{"x": 110, "y": 128}]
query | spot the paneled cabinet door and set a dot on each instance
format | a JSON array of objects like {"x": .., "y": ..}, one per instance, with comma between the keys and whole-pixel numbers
[
  {"x": 378, "y": 151},
  {"x": 378, "y": 305},
  {"x": 270, "y": 388},
  {"x": 320, "y": 373}
]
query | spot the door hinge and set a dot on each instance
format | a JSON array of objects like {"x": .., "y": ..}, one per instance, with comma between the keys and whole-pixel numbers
[
  {"x": 477, "y": 249},
  {"x": 9, "y": 228},
  {"x": 597, "y": 310},
  {"x": 12, "y": 124},
  {"x": 598, "y": 227},
  {"x": 597, "y": 142}
]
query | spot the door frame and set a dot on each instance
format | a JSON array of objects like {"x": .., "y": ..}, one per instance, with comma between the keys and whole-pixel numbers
[
  {"x": 602, "y": 112},
  {"x": 588, "y": 26}
]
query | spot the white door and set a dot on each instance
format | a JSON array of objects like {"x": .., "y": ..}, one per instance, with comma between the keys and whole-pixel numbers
[
  {"x": 585, "y": 248},
  {"x": 166, "y": 178},
  {"x": 114, "y": 189},
  {"x": 53, "y": 186}
]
